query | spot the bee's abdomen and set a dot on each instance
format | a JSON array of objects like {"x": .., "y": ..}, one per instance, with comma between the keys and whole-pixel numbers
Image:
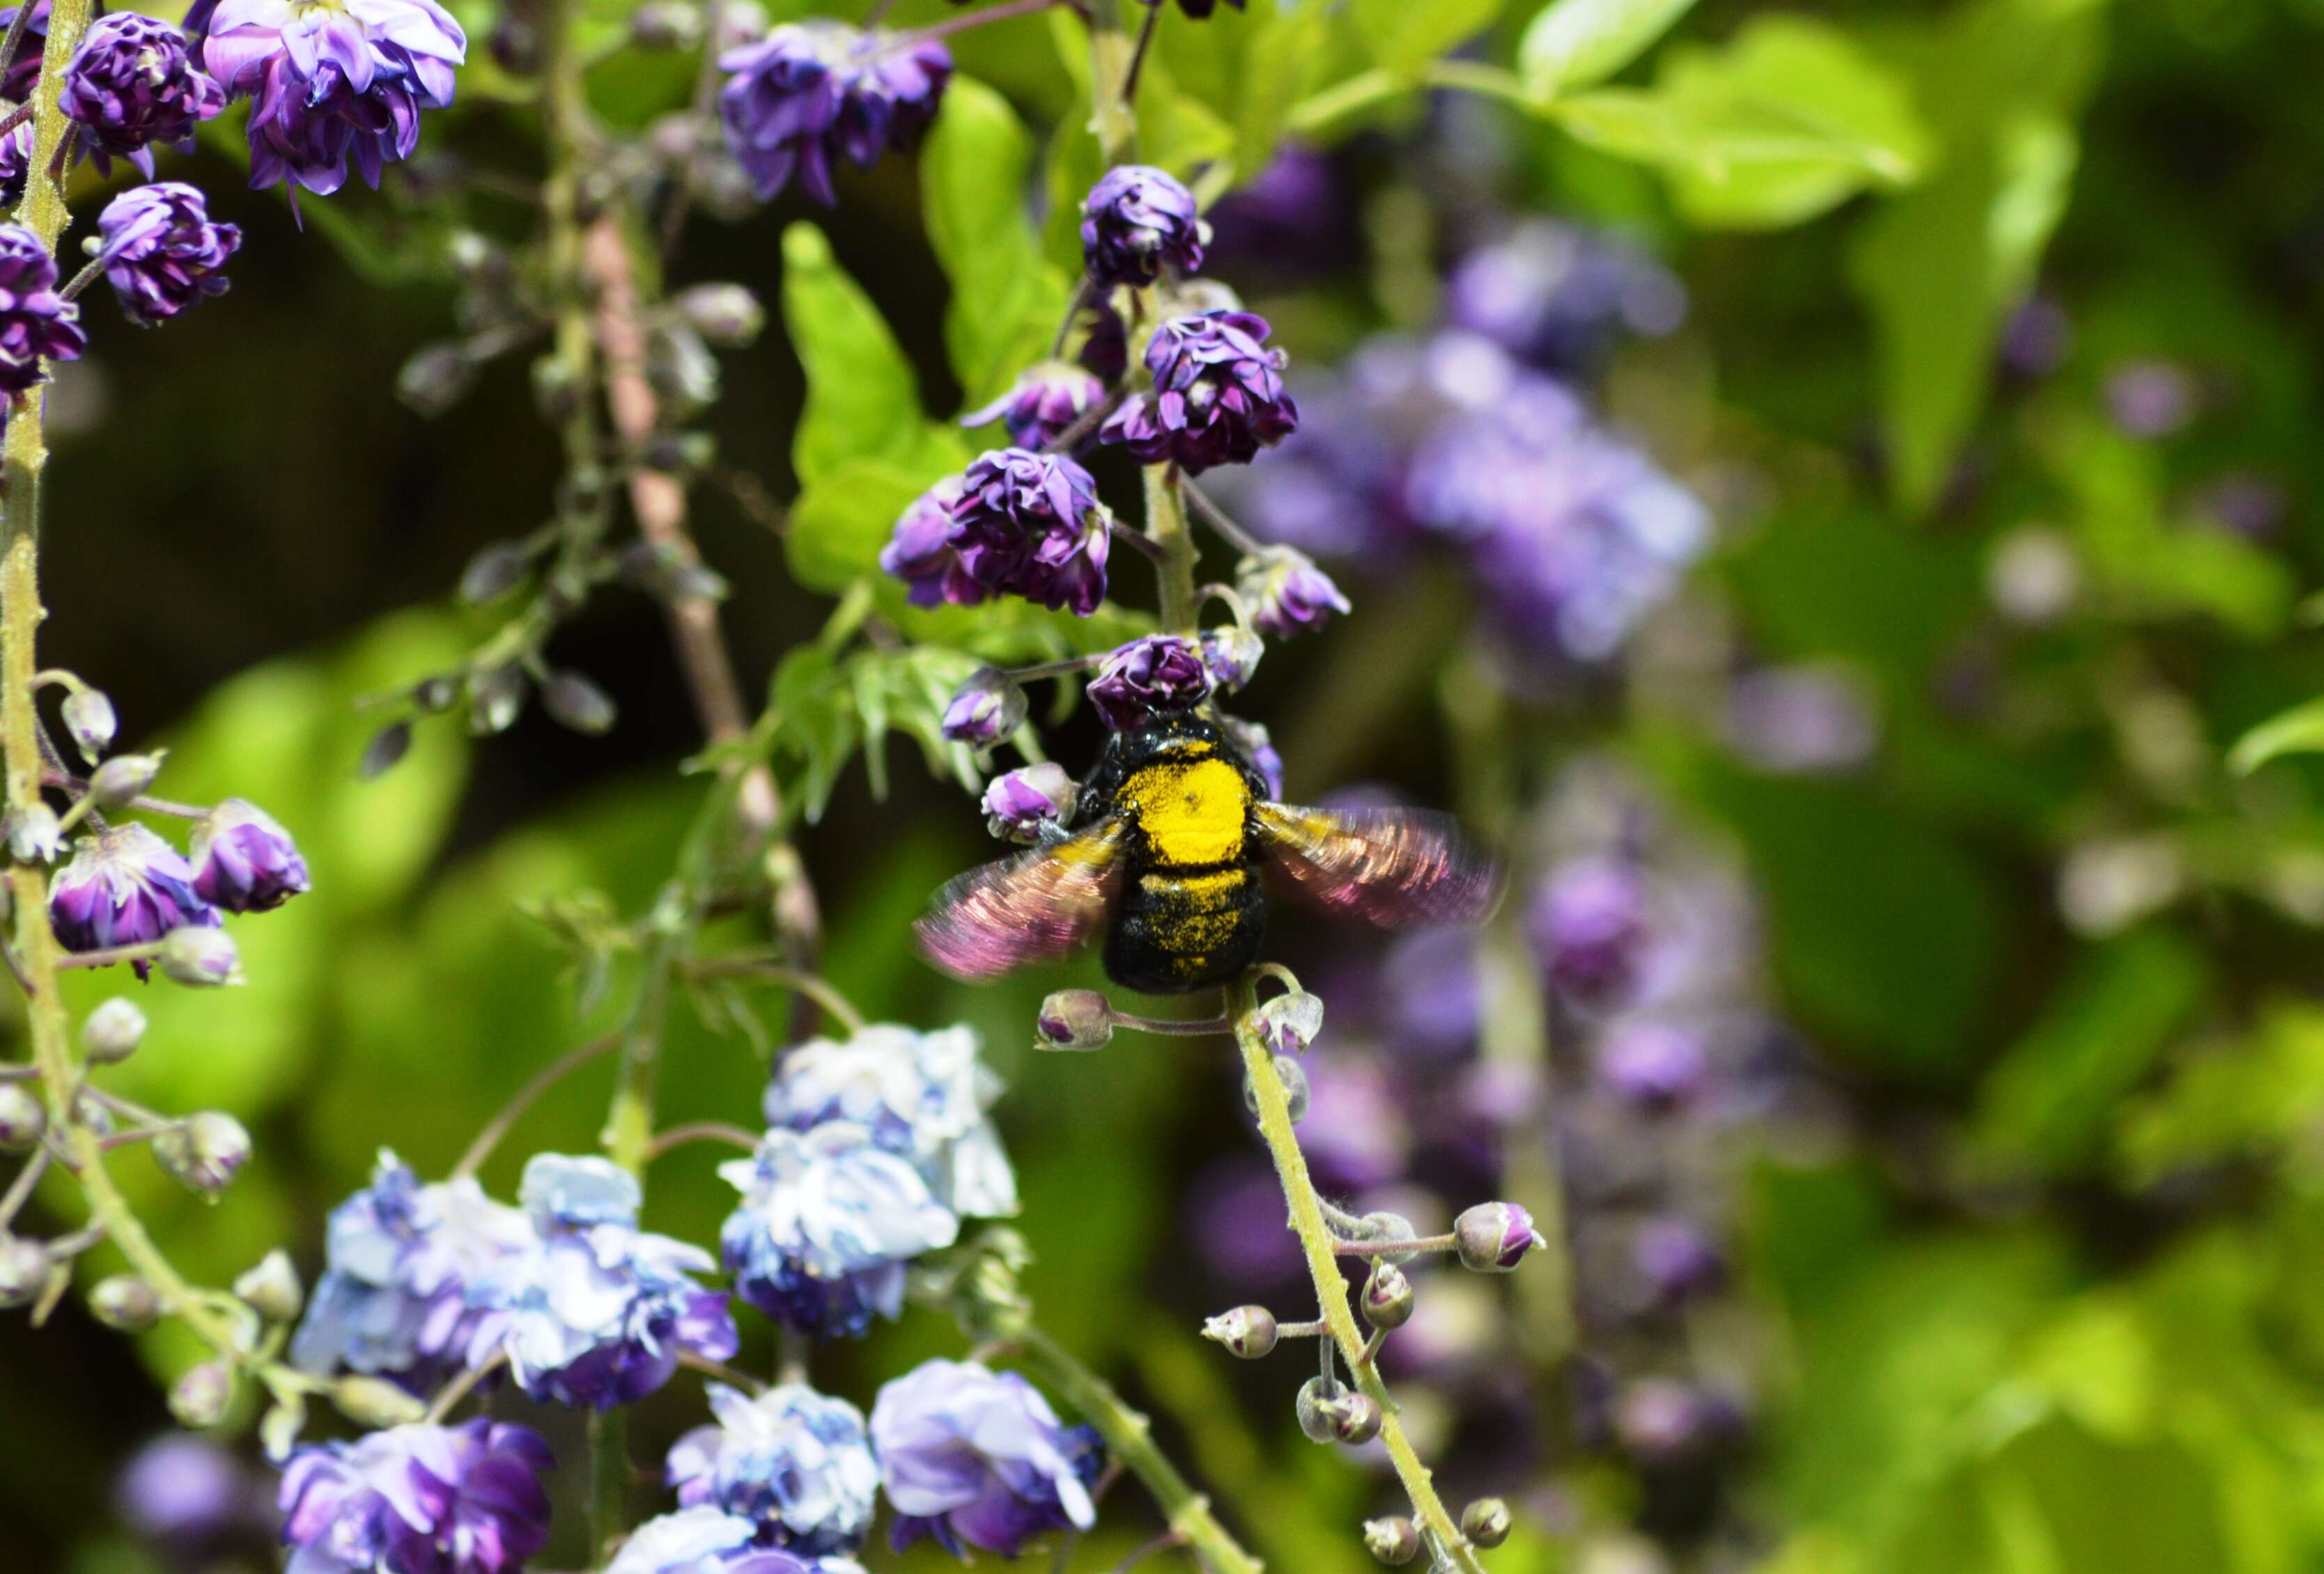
[{"x": 1182, "y": 929}]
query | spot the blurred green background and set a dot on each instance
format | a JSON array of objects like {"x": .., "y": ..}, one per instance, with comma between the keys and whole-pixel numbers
[{"x": 2047, "y": 1299}]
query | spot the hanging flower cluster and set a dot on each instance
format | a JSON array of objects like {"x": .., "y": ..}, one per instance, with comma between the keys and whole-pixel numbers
[{"x": 813, "y": 93}]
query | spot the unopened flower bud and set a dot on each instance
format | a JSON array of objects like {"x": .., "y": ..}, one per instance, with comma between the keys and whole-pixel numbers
[
  {"x": 204, "y": 1151},
  {"x": 123, "y": 778},
  {"x": 1248, "y": 1331},
  {"x": 1394, "y": 1540},
  {"x": 1287, "y": 593},
  {"x": 1295, "y": 1093},
  {"x": 111, "y": 1033},
  {"x": 200, "y": 1398},
  {"x": 1231, "y": 655},
  {"x": 987, "y": 709},
  {"x": 33, "y": 834},
  {"x": 374, "y": 1401},
  {"x": 1289, "y": 1023},
  {"x": 574, "y": 701},
  {"x": 496, "y": 699},
  {"x": 89, "y": 1114},
  {"x": 1486, "y": 1521},
  {"x": 387, "y": 745},
  {"x": 665, "y": 25},
  {"x": 728, "y": 315},
  {"x": 23, "y": 1270},
  {"x": 271, "y": 1288},
  {"x": 1388, "y": 1297},
  {"x": 1075, "y": 1019},
  {"x": 1387, "y": 1227},
  {"x": 200, "y": 956},
  {"x": 89, "y": 715},
  {"x": 1315, "y": 1394},
  {"x": 1493, "y": 1236},
  {"x": 436, "y": 377},
  {"x": 1018, "y": 803},
  {"x": 23, "y": 1119},
  {"x": 1353, "y": 1417},
  {"x": 124, "y": 1303},
  {"x": 494, "y": 571}
]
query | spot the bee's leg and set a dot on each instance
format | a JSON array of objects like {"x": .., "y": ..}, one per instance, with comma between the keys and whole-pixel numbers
[{"x": 1051, "y": 834}]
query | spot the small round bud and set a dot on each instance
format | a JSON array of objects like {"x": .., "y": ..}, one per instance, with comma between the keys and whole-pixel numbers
[
  {"x": 1075, "y": 1019},
  {"x": 663, "y": 24},
  {"x": 1231, "y": 655},
  {"x": 573, "y": 701},
  {"x": 1030, "y": 802},
  {"x": 744, "y": 21},
  {"x": 1315, "y": 1395},
  {"x": 1295, "y": 1093},
  {"x": 34, "y": 836},
  {"x": 1387, "y": 1227},
  {"x": 123, "y": 778},
  {"x": 1493, "y": 1236},
  {"x": 387, "y": 745},
  {"x": 1289, "y": 1022},
  {"x": 23, "y": 1119},
  {"x": 90, "y": 717},
  {"x": 1354, "y": 1418},
  {"x": 496, "y": 699},
  {"x": 1486, "y": 1521},
  {"x": 555, "y": 393},
  {"x": 204, "y": 1151},
  {"x": 1388, "y": 1297},
  {"x": 200, "y": 1398},
  {"x": 111, "y": 1033},
  {"x": 124, "y": 1303},
  {"x": 1248, "y": 1331},
  {"x": 271, "y": 1288},
  {"x": 494, "y": 571},
  {"x": 477, "y": 259},
  {"x": 374, "y": 1401},
  {"x": 90, "y": 1114},
  {"x": 23, "y": 1270},
  {"x": 986, "y": 708},
  {"x": 436, "y": 377},
  {"x": 1394, "y": 1540},
  {"x": 201, "y": 957},
  {"x": 728, "y": 315}
]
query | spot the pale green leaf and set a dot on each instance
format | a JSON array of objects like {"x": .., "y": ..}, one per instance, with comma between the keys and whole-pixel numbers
[
  {"x": 2297, "y": 731},
  {"x": 1575, "y": 43},
  {"x": 1405, "y": 35},
  {"x": 862, "y": 400},
  {"x": 1006, "y": 301}
]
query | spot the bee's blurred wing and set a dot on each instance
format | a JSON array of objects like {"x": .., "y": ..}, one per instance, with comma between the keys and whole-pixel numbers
[
  {"x": 1034, "y": 907},
  {"x": 1388, "y": 866}
]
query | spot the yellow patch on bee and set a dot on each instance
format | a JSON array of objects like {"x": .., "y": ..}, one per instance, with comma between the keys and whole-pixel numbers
[{"x": 1192, "y": 814}]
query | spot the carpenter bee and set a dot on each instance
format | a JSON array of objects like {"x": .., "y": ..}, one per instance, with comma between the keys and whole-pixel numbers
[{"x": 1165, "y": 852}]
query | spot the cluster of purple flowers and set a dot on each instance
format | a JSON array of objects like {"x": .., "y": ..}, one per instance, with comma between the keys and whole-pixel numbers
[
  {"x": 37, "y": 324},
  {"x": 813, "y": 93},
  {"x": 1217, "y": 398},
  {"x": 162, "y": 252},
  {"x": 133, "y": 83},
  {"x": 1017, "y": 523},
  {"x": 418, "y": 1499},
  {"x": 126, "y": 886}
]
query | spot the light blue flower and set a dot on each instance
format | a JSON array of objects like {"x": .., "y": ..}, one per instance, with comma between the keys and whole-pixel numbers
[
  {"x": 976, "y": 1457},
  {"x": 923, "y": 1095},
  {"x": 701, "y": 1541},
  {"x": 598, "y": 1313},
  {"x": 828, "y": 1221},
  {"x": 797, "y": 1463}
]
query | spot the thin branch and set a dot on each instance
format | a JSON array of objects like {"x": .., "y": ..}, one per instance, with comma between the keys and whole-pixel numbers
[
  {"x": 448, "y": 1397},
  {"x": 526, "y": 1096},
  {"x": 1219, "y": 520},
  {"x": 945, "y": 29},
  {"x": 700, "y": 1131},
  {"x": 21, "y": 1186},
  {"x": 1137, "y": 51},
  {"x": 814, "y": 986},
  {"x": 734, "y": 1375}
]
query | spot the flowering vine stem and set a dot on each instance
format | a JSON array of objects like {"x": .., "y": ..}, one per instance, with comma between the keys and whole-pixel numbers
[{"x": 1320, "y": 1246}]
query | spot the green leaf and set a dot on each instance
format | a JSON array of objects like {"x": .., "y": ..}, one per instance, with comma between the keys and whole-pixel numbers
[
  {"x": 2231, "y": 1100},
  {"x": 1006, "y": 301},
  {"x": 862, "y": 400},
  {"x": 1786, "y": 121},
  {"x": 1575, "y": 44},
  {"x": 2298, "y": 731},
  {"x": 1405, "y": 35}
]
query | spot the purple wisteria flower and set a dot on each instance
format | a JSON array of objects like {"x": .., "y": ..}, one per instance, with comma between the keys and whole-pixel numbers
[
  {"x": 1558, "y": 296},
  {"x": 1677, "y": 1260},
  {"x": 984, "y": 710},
  {"x": 1148, "y": 677},
  {"x": 163, "y": 253},
  {"x": 1287, "y": 593},
  {"x": 828, "y": 1219},
  {"x": 133, "y": 83},
  {"x": 977, "y": 1458},
  {"x": 1043, "y": 405},
  {"x": 1018, "y": 803},
  {"x": 400, "y": 1261},
  {"x": 36, "y": 323},
  {"x": 1251, "y": 740},
  {"x": 1230, "y": 654},
  {"x": 794, "y": 1463},
  {"x": 15, "y": 159},
  {"x": 124, "y": 886},
  {"x": 1031, "y": 524},
  {"x": 243, "y": 860},
  {"x": 1589, "y": 925},
  {"x": 1654, "y": 1065},
  {"x": 1136, "y": 222},
  {"x": 703, "y": 1540},
  {"x": 812, "y": 93},
  {"x": 1217, "y": 398},
  {"x": 418, "y": 1499},
  {"x": 920, "y": 550},
  {"x": 25, "y": 70},
  {"x": 331, "y": 81},
  {"x": 598, "y": 1311}
]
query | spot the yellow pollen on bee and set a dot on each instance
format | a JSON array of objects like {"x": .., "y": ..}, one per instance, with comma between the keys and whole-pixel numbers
[{"x": 1192, "y": 813}]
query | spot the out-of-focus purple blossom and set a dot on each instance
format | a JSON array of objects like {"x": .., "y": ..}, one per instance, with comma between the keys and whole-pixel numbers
[
  {"x": 1433, "y": 999},
  {"x": 986, "y": 708},
  {"x": 1137, "y": 221},
  {"x": 124, "y": 886},
  {"x": 2150, "y": 399},
  {"x": 796, "y": 1463},
  {"x": 25, "y": 70},
  {"x": 133, "y": 83},
  {"x": 1589, "y": 925},
  {"x": 1559, "y": 296},
  {"x": 1234, "y": 1215},
  {"x": 1251, "y": 740},
  {"x": 1798, "y": 720},
  {"x": 1230, "y": 654},
  {"x": 1104, "y": 351},
  {"x": 1293, "y": 218},
  {"x": 828, "y": 1222},
  {"x": 418, "y": 1499},
  {"x": 1031, "y": 524},
  {"x": 598, "y": 1311},
  {"x": 184, "y": 1492},
  {"x": 812, "y": 93},
  {"x": 399, "y": 1260},
  {"x": 2036, "y": 340},
  {"x": 705, "y": 1540},
  {"x": 1018, "y": 803},
  {"x": 2244, "y": 503},
  {"x": 1218, "y": 395},
  {"x": 1287, "y": 593},
  {"x": 333, "y": 82},
  {"x": 1043, "y": 405},
  {"x": 1156, "y": 675},
  {"x": 1665, "y": 1422},
  {"x": 163, "y": 253},
  {"x": 1652, "y": 1064},
  {"x": 36, "y": 323},
  {"x": 1677, "y": 1260},
  {"x": 2034, "y": 575},
  {"x": 1355, "y": 1132},
  {"x": 15, "y": 159},
  {"x": 243, "y": 860},
  {"x": 920, "y": 551},
  {"x": 922, "y": 1096},
  {"x": 977, "y": 1458}
]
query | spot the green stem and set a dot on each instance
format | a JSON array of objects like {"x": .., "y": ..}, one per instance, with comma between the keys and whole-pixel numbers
[
  {"x": 1130, "y": 1437},
  {"x": 1321, "y": 1247},
  {"x": 1166, "y": 527},
  {"x": 1369, "y": 90}
]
